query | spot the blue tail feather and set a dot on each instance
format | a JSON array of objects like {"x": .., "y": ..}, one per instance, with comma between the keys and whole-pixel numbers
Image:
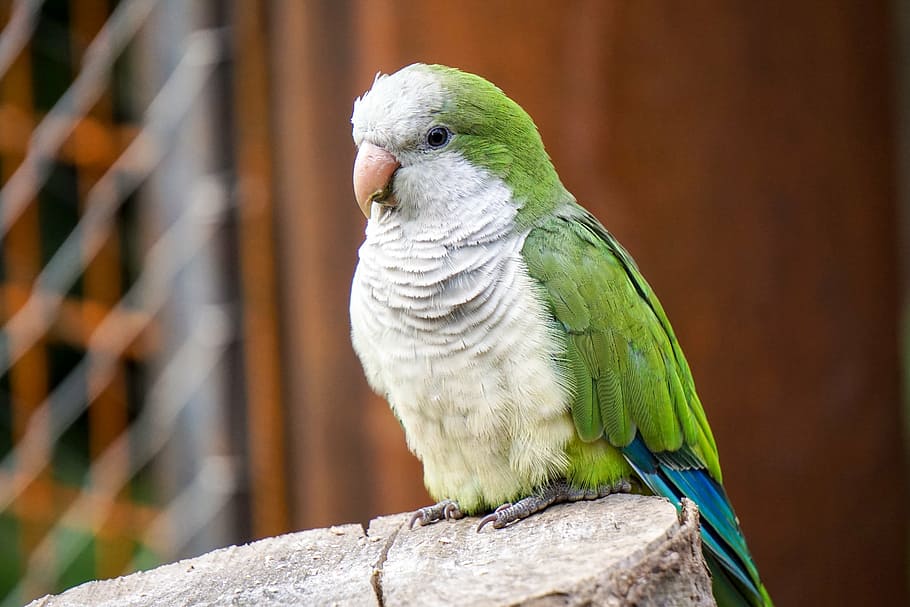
[{"x": 672, "y": 475}]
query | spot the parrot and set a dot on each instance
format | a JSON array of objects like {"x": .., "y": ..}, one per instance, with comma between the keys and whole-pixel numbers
[{"x": 516, "y": 341}]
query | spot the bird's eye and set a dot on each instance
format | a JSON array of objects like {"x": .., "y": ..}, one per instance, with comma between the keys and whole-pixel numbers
[{"x": 438, "y": 136}]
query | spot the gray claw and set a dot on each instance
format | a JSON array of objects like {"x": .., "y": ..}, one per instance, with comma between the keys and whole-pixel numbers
[
  {"x": 493, "y": 517},
  {"x": 418, "y": 515},
  {"x": 554, "y": 493},
  {"x": 452, "y": 512},
  {"x": 444, "y": 510},
  {"x": 490, "y": 518}
]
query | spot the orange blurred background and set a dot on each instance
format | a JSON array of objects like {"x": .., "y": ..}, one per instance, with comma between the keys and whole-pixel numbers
[{"x": 750, "y": 156}]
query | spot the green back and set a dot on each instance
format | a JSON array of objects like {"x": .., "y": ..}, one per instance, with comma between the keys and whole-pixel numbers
[{"x": 628, "y": 369}]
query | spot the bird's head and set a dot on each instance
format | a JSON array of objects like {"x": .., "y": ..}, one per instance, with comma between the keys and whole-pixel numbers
[{"x": 429, "y": 134}]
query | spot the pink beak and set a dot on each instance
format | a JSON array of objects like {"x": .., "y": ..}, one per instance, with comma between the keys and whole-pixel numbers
[{"x": 373, "y": 170}]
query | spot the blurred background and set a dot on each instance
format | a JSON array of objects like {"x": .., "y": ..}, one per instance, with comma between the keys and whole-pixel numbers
[{"x": 178, "y": 235}]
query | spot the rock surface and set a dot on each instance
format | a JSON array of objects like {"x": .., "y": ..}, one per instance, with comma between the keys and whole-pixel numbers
[{"x": 620, "y": 550}]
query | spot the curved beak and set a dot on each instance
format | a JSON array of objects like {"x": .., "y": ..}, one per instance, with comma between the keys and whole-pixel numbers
[{"x": 373, "y": 171}]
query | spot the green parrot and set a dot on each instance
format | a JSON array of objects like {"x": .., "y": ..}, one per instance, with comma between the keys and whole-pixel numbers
[{"x": 516, "y": 341}]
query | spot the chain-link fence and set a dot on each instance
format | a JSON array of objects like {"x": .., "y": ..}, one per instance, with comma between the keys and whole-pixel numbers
[{"x": 121, "y": 381}]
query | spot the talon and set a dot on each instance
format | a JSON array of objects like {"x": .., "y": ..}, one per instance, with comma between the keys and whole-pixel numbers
[
  {"x": 451, "y": 512},
  {"x": 490, "y": 518},
  {"x": 444, "y": 510},
  {"x": 418, "y": 515},
  {"x": 553, "y": 493}
]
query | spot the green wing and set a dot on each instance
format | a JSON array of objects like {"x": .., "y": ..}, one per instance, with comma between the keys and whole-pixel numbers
[
  {"x": 632, "y": 385},
  {"x": 628, "y": 370}
]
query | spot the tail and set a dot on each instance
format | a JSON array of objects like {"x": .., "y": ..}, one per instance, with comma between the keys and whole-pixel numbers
[{"x": 679, "y": 474}]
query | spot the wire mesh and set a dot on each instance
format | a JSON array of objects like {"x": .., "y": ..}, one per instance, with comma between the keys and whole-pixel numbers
[{"x": 94, "y": 381}]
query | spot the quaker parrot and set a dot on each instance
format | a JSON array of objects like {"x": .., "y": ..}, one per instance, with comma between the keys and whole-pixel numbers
[{"x": 516, "y": 341}]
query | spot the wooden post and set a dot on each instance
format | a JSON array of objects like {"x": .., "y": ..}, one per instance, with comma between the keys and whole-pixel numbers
[{"x": 623, "y": 550}]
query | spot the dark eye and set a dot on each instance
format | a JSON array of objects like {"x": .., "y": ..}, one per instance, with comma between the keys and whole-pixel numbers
[{"x": 438, "y": 136}]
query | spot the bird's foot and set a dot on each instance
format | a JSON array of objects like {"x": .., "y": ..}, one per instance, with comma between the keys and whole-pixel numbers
[
  {"x": 554, "y": 493},
  {"x": 445, "y": 510}
]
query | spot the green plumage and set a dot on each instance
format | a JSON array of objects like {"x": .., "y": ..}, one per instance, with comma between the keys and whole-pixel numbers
[
  {"x": 492, "y": 131},
  {"x": 628, "y": 370},
  {"x": 632, "y": 398}
]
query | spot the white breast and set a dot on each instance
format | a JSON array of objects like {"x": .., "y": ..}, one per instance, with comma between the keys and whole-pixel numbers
[{"x": 450, "y": 328}]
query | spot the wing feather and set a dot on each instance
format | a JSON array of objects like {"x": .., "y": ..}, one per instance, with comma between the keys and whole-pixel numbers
[
  {"x": 632, "y": 384},
  {"x": 630, "y": 375}
]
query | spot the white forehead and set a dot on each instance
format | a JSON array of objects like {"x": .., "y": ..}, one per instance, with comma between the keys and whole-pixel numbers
[{"x": 398, "y": 107}]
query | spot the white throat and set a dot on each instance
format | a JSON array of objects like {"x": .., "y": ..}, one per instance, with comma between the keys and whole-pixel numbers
[
  {"x": 450, "y": 328},
  {"x": 434, "y": 261}
]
